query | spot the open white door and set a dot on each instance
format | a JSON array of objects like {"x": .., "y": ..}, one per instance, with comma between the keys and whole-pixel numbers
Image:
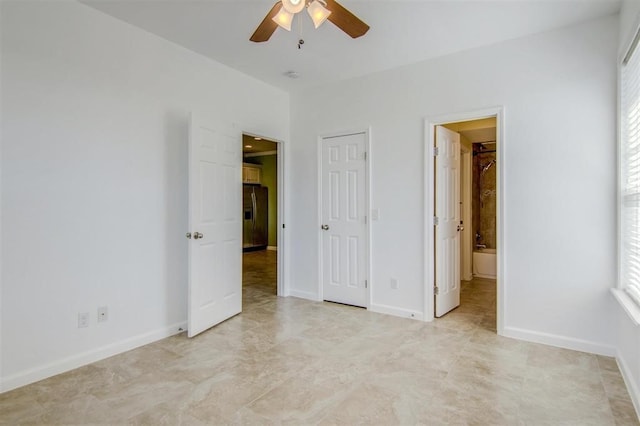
[
  {"x": 215, "y": 226},
  {"x": 344, "y": 226},
  {"x": 447, "y": 228}
]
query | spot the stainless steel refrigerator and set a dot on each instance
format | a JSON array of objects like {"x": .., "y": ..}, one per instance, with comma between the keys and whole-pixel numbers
[{"x": 256, "y": 217}]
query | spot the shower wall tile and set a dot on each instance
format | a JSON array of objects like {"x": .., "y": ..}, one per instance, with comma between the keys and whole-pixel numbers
[{"x": 484, "y": 199}]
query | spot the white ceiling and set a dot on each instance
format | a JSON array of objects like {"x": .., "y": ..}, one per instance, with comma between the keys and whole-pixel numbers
[
  {"x": 487, "y": 134},
  {"x": 251, "y": 146},
  {"x": 402, "y": 32}
]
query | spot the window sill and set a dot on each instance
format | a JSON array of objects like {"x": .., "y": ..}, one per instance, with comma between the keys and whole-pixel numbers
[{"x": 629, "y": 306}]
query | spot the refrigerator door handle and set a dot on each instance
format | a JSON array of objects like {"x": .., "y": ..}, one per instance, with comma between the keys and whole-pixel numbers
[{"x": 255, "y": 208}]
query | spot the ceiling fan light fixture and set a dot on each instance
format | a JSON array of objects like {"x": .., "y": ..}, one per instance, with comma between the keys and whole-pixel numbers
[
  {"x": 284, "y": 19},
  {"x": 318, "y": 13},
  {"x": 293, "y": 6},
  {"x": 283, "y": 11}
]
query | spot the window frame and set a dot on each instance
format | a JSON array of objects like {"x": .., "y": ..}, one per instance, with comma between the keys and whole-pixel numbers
[{"x": 629, "y": 304}]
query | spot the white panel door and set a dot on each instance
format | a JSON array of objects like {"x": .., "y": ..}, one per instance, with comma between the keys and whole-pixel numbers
[
  {"x": 447, "y": 232},
  {"x": 344, "y": 229},
  {"x": 215, "y": 226}
]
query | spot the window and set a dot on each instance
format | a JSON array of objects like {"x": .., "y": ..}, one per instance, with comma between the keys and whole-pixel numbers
[{"x": 630, "y": 172}]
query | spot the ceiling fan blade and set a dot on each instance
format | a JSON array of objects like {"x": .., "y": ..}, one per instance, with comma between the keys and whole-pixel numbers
[
  {"x": 267, "y": 27},
  {"x": 345, "y": 20}
]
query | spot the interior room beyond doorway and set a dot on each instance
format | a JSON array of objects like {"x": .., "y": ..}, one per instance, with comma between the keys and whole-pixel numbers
[
  {"x": 260, "y": 217},
  {"x": 476, "y": 188}
]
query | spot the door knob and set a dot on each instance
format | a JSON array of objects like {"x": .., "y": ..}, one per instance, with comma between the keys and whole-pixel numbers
[
  {"x": 188, "y": 235},
  {"x": 197, "y": 236},
  {"x": 325, "y": 227}
]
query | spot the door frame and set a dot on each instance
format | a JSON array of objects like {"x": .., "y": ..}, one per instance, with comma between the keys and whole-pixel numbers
[
  {"x": 367, "y": 202},
  {"x": 283, "y": 241},
  {"x": 429, "y": 205}
]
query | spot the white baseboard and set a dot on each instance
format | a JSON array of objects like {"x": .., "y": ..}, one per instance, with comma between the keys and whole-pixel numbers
[
  {"x": 66, "y": 364},
  {"x": 272, "y": 248},
  {"x": 632, "y": 385},
  {"x": 397, "y": 312},
  {"x": 559, "y": 341},
  {"x": 304, "y": 295}
]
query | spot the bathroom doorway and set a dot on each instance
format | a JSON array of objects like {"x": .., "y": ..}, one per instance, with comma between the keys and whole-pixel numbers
[
  {"x": 478, "y": 197},
  {"x": 463, "y": 265}
]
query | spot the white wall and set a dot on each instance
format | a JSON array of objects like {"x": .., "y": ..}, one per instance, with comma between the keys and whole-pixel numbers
[
  {"x": 628, "y": 332},
  {"x": 559, "y": 94},
  {"x": 94, "y": 179}
]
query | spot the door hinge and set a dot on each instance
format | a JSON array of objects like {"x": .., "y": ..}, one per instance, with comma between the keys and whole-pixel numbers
[
  {"x": 365, "y": 156},
  {"x": 365, "y": 220},
  {"x": 366, "y": 284},
  {"x": 283, "y": 226},
  {"x": 436, "y": 151},
  {"x": 435, "y": 221},
  {"x": 436, "y": 290}
]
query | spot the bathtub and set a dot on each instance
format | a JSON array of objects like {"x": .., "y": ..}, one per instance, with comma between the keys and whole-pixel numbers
[{"x": 485, "y": 263}]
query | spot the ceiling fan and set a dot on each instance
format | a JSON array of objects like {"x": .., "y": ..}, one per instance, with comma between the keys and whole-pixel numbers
[{"x": 281, "y": 14}]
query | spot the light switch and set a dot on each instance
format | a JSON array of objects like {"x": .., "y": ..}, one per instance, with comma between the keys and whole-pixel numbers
[{"x": 375, "y": 214}]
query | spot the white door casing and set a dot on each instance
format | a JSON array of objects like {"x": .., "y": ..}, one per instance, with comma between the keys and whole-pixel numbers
[
  {"x": 447, "y": 229},
  {"x": 215, "y": 226},
  {"x": 343, "y": 215}
]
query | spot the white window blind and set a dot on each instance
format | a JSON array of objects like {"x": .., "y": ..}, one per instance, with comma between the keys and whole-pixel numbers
[{"x": 630, "y": 168}]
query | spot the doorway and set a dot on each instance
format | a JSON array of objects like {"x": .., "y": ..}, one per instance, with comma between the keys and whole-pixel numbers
[
  {"x": 261, "y": 204},
  {"x": 472, "y": 182}
]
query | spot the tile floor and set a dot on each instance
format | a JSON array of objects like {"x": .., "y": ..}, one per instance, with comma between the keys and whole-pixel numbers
[{"x": 300, "y": 362}]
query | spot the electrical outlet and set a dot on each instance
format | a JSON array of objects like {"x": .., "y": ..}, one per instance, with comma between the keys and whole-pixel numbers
[
  {"x": 103, "y": 314},
  {"x": 395, "y": 283},
  {"x": 83, "y": 320}
]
